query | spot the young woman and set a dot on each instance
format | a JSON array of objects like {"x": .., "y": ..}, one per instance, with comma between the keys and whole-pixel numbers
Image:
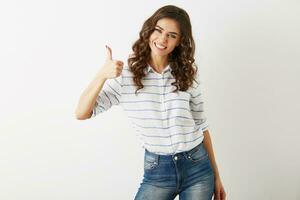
[{"x": 160, "y": 92}]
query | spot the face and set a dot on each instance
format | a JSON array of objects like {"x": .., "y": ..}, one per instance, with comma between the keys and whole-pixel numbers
[{"x": 165, "y": 37}]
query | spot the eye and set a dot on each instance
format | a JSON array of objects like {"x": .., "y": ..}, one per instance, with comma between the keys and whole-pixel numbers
[{"x": 171, "y": 35}]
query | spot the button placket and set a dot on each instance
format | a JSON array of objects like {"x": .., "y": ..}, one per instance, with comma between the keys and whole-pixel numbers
[
  {"x": 164, "y": 114},
  {"x": 163, "y": 92}
]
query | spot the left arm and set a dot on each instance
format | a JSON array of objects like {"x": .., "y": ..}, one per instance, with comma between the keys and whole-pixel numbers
[
  {"x": 197, "y": 110},
  {"x": 219, "y": 192},
  {"x": 208, "y": 146}
]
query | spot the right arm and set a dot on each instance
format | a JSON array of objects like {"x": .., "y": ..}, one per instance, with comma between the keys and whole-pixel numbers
[
  {"x": 110, "y": 69},
  {"x": 88, "y": 98}
]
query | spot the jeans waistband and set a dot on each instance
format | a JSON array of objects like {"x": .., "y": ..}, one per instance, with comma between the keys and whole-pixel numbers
[{"x": 178, "y": 155}]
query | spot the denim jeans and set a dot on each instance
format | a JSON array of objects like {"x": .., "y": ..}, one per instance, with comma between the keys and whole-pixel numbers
[{"x": 187, "y": 174}]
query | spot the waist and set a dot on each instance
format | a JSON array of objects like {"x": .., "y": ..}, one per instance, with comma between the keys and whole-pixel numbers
[{"x": 177, "y": 155}]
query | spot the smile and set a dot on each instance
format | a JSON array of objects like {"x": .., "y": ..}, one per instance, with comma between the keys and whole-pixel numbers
[{"x": 159, "y": 46}]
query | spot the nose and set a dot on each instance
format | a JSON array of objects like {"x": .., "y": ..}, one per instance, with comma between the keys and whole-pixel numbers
[{"x": 163, "y": 38}]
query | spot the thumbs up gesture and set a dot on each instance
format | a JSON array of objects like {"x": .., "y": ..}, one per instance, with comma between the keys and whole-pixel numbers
[{"x": 111, "y": 68}]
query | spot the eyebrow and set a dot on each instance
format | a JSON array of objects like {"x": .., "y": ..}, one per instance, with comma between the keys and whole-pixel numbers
[{"x": 169, "y": 32}]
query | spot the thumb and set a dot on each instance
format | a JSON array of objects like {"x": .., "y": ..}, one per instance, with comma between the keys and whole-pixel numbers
[{"x": 108, "y": 53}]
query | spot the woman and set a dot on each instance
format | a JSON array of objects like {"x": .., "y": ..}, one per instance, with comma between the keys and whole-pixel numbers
[{"x": 160, "y": 93}]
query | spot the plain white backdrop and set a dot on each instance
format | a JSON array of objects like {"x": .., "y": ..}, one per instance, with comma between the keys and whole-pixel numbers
[{"x": 248, "y": 57}]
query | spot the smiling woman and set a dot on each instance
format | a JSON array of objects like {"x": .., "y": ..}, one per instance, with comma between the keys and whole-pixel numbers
[
  {"x": 160, "y": 93},
  {"x": 166, "y": 38}
]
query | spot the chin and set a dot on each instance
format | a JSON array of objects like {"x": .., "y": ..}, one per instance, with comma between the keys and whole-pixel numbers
[
  {"x": 160, "y": 54},
  {"x": 155, "y": 52}
]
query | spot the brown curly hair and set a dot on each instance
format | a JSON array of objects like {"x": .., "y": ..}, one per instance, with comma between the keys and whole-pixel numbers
[{"x": 181, "y": 59}]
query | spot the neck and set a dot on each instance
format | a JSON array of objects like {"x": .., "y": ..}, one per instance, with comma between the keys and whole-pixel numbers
[{"x": 158, "y": 63}]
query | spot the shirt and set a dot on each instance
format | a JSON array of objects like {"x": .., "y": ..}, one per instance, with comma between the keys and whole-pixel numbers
[{"x": 165, "y": 122}]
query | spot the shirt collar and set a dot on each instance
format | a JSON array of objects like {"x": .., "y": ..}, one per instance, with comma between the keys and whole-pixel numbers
[{"x": 149, "y": 68}]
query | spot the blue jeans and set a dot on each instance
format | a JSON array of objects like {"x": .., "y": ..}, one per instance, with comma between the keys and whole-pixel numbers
[{"x": 187, "y": 174}]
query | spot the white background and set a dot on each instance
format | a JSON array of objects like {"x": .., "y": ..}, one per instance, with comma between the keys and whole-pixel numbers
[{"x": 248, "y": 58}]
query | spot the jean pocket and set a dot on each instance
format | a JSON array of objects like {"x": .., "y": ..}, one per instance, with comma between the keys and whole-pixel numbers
[
  {"x": 198, "y": 154},
  {"x": 150, "y": 161}
]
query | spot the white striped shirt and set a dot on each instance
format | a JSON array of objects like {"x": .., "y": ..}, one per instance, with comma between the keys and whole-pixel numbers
[{"x": 166, "y": 122}]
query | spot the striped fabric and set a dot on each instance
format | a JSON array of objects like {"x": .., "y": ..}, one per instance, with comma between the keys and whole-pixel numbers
[{"x": 166, "y": 122}]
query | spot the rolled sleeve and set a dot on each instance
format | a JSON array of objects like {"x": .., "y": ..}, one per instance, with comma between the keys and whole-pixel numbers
[
  {"x": 197, "y": 106},
  {"x": 109, "y": 95}
]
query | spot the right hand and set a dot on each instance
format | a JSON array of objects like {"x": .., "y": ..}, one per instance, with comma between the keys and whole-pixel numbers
[{"x": 111, "y": 68}]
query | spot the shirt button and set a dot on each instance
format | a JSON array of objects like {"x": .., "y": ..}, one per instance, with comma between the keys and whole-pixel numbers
[{"x": 175, "y": 158}]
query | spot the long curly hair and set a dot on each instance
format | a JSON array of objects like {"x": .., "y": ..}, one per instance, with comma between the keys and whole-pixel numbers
[{"x": 181, "y": 59}]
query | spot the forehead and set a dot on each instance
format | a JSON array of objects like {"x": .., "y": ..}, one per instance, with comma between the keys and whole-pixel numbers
[{"x": 169, "y": 25}]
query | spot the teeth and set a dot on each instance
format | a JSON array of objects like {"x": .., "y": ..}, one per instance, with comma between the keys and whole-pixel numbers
[{"x": 159, "y": 46}]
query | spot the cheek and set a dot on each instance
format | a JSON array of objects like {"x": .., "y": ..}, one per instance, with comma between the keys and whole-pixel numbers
[
  {"x": 173, "y": 45},
  {"x": 150, "y": 43},
  {"x": 152, "y": 36}
]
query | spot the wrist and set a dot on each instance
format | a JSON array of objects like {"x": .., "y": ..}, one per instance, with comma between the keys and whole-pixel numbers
[
  {"x": 101, "y": 76},
  {"x": 217, "y": 176}
]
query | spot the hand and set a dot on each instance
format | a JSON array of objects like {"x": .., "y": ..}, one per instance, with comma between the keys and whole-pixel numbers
[
  {"x": 111, "y": 68},
  {"x": 219, "y": 190}
]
